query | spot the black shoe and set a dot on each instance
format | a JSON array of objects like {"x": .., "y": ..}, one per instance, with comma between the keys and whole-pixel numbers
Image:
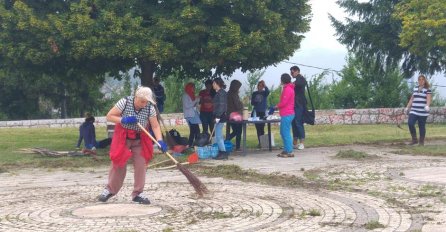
[
  {"x": 222, "y": 156},
  {"x": 105, "y": 195},
  {"x": 141, "y": 199}
]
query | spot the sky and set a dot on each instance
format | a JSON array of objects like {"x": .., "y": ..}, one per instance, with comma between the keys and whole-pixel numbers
[{"x": 320, "y": 49}]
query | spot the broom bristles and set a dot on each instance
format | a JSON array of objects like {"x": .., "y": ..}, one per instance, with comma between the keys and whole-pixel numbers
[{"x": 199, "y": 187}]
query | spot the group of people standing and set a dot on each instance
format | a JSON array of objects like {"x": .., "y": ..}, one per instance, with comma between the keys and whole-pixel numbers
[
  {"x": 291, "y": 106},
  {"x": 216, "y": 107}
]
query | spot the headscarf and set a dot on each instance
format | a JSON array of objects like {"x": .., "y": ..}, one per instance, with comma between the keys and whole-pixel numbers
[{"x": 190, "y": 90}]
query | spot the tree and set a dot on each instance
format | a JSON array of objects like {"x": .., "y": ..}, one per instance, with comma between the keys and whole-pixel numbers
[
  {"x": 361, "y": 87},
  {"x": 274, "y": 95},
  {"x": 195, "y": 38},
  {"x": 423, "y": 29},
  {"x": 320, "y": 91},
  {"x": 30, "y": 48},
  {"x": 374, "y": 37}
]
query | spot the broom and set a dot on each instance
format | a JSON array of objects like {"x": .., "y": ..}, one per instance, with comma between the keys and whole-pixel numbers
[
  {"x": 170, "y": 141},
  {"x": 199, "y": 187}
]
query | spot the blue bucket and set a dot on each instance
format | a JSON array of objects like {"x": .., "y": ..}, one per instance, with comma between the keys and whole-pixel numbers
[{"x": 229, "y": 147}]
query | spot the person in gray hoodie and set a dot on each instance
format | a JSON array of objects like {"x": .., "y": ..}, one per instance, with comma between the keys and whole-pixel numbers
[
  {"x": 220, "y": 102},
  {"x": 235, "y": 105}
]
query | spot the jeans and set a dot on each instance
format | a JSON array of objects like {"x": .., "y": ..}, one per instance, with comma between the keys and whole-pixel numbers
[
  {"x": 285, "y": 132},
  {"x": 421, "y": 124},
  {"x": 298, "y": 123},
  {"x": 219, "y": 136}
]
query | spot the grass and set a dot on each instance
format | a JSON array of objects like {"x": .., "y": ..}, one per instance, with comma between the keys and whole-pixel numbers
[
  {"x": 234, "y": 172},
  {"x": 355, "y": 155},
  {"x": 371, "y": 225},
  {"x": 64, "y": 139},
  {"x": 431, "y": 150}
]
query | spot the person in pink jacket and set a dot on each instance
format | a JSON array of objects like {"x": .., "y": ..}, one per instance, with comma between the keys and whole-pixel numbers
[{"x": 286, "y": 111}]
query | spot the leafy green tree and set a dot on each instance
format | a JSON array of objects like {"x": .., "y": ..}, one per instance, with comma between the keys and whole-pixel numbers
[
  {"x": 191, "y": 37},
  {"x": 30, "y": 48},
  {"x": 20, "y": 98},
  {"x": 423, "y": 28},
  {"x": 274, "y": 95},
  {"x": 361, "y": 87},
  {"x": 85, "y": 39},
  {"x": 373, "y": 35},
  {"x": 174, "y": 89},
  {"x": 320, "y": 91}
]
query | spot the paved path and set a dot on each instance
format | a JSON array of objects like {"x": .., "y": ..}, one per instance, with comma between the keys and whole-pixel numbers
[{"x": 397, "y": 192}]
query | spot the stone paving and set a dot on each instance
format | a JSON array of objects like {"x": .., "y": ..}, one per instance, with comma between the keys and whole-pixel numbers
[{"x": 394, "y": 192}]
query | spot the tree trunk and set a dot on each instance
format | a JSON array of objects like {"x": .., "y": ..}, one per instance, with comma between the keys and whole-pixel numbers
[{"x": 147, "y": 70}]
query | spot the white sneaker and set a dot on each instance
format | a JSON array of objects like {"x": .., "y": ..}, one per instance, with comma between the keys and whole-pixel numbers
[{"x": 301, "y": 146}]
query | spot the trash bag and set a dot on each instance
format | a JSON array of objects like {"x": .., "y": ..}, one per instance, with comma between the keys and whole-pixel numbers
[{"x": 202, "y": 139}]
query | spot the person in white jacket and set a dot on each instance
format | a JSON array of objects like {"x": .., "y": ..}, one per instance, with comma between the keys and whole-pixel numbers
[{"x": 190, "y": 102}]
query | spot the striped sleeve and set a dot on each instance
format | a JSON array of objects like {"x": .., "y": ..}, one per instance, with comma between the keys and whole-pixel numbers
[
  {"x": 121, "y": 104},
  {"x": 152, "y": 111}
]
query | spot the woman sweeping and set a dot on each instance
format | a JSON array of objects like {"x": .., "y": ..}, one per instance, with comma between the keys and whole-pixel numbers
[{"x": 128, "y": 142}]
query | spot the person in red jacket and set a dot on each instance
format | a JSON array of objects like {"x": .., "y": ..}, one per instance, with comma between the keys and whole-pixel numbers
[{"x": 129, "y": 142}]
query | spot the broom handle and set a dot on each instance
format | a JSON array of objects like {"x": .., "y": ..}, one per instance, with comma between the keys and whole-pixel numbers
[
  {"x": 158, "y": 116},
  {"x": 212, "y": 133},
  {"x": 154, "y": 140}
]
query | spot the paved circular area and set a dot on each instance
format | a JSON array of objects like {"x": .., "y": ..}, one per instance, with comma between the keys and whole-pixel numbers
[
  {"x": 115, "y": 210},
  {"x": 232, "y": 206},
  {"x": 397, "y": 193},
  {"x": 429, "y": 174}
]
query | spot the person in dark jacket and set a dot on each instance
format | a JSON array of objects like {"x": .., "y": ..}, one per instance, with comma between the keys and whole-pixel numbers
[
  {"x": 300, "y": 105},
  {"x": 87, "y": 133},
  {"x": 259, "y": 101},
  {"x": 160, "y": 96},
  {"x": 220, "y": 103},
  {"x": 235, "y": 105}
]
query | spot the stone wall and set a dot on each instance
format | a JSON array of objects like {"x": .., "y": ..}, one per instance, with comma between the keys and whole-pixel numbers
[{"x": 344, "y": 116}]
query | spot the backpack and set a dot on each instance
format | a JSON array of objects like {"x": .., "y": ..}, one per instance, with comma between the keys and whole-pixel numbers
[{"x": 175, "y": 136}]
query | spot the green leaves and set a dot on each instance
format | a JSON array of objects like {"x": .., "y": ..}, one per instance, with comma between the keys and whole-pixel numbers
[
  {"x": 423, "y": 26},
  {"x": 396, "y": 32}
]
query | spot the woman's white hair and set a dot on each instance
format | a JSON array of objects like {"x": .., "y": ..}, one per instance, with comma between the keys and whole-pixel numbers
[{"x": 146, "y": 93}]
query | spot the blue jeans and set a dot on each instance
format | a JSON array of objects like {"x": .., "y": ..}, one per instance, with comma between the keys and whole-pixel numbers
[
  {"x": 285, "y": 132},
  {"x": 298, "y": 123},
  {"x": 219, "y": 136},
  {"x": 421, "y": 124}
]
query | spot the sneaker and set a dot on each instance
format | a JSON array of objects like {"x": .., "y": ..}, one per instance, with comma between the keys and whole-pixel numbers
[
  {"x": 105, "y": 195},
  {"x": 301, "y": 146},
  {"x": 141, "y": 199},
  {"x": 86, "y": 151},
  {"x": 295, "y": 147}
]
